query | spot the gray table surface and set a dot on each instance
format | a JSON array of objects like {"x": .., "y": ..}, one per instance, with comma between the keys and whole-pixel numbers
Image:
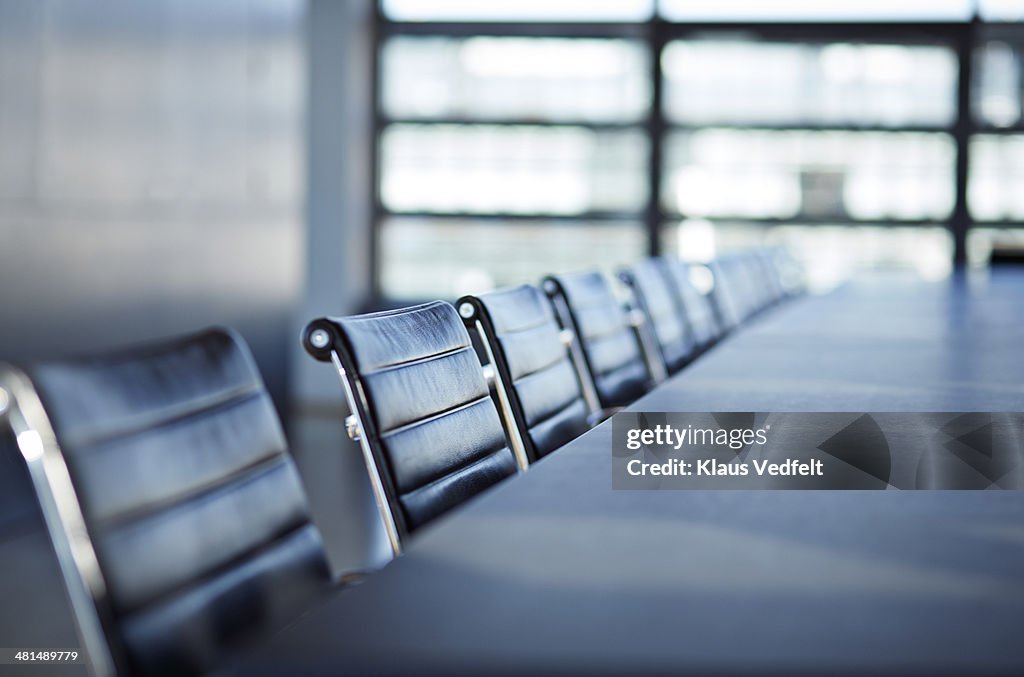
[{"x": 554, "y": 572}]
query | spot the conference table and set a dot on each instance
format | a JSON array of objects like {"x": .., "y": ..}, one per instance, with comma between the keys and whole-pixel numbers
[{"x": 553, "y": 571}]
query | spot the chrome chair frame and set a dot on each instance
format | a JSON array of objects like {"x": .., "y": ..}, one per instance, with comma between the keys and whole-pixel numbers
[
  {"x": 22, "y": 410},
  {"x": 637, "y": 322},
  {"x": 468, "y": 312},
  {"x": 318, "y": 341},
  {"x": 579, "y": 362},
  {"x": 643, "y": 327},
  {"x": 354, "y": 428}
]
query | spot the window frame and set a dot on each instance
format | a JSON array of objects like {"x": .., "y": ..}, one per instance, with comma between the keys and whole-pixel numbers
[{"x": 963, "y": 38}]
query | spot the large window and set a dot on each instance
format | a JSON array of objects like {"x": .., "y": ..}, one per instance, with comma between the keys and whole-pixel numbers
[
  {"x": 503, "y": 158},
  {"x": 516, "y": 139}
]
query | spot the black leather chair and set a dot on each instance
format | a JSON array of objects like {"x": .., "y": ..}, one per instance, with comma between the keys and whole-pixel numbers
[
  {"x": 752, "y": 282},
  {"x": 788, "y": 277},
  {"x": 650, "y": 284},
  {"x": 769, "y": 274},
  {"x": 758, "y": 285},
  {"x": 700, "y": 312},
  {"x": 177, "y": 513},
  {"x": 423, "y": 414},
  {"x": 791, "y": 274},
  {"x": 533, "y": 366},
  {"x": 610, "y": 346},
  {"x": 730, "y": 292}
]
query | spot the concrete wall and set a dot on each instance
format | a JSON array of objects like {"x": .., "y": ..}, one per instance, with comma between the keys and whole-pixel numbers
[
  {"x": 151, "y": 173},
  {"x": 171, "y": 164}
]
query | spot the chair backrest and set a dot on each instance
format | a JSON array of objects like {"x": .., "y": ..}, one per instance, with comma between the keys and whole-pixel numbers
[
  {"x": 650, "y": 284},
  {"x": 431, "y": 433},
  {"x": 791, "y": 274},
  {"x": 769, "y": 270},
  {"x": 729, "y": 293},
  {"x": 758, "y": 279},
  {"x": 586, "y": 303},
  {"x": 699, "y": 310},
  {"x": 533, "y": 365},
  {"x": 166, "y": 477},
  {"x": 757, "y": 284}
]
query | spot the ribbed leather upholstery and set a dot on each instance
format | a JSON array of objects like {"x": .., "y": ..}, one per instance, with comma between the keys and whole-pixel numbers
[
  {"x": 758, "y": 289},
  {"x": 699, "y": 310},
  {"x": 730, "y": 293},
  {"x": 791, "y": 275},
  {"x": 544, "y": 390},
  {"x": 193, "y": 505},
  {"x": 768, "y": 260},
  {"x": 748, "y": 282},
  {"x": 609, "y": 344},
  {"x": 428, "y": 415},
  {"x": 650, "y": 284}
]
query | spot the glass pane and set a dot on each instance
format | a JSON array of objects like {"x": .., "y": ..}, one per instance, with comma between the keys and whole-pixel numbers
[
  {"x": 999, "y": 81},
  {"x": 994, "y": 189},
  {"x": 445, "y": 258},
  {"x": 817, "y": 175},
  {"x": 1001, "y": 10},
  {"x": 518, "y": 169},
  {"x": 985, "y": 245},
  {"x": 817, "y": 10},
  {"x": 744, "y": 82},
  {"x": 828, "y": 253},
  {"x": 515, "y": 78},
  {"x": 520, "y": 10}
]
